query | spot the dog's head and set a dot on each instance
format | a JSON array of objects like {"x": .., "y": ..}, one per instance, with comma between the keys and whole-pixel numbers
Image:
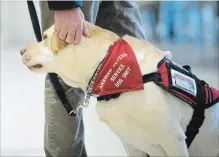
[{"x": 68, "y": 60}]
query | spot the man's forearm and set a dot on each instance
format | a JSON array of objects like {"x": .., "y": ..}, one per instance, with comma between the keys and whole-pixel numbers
[{"x": 63, "y": 5}]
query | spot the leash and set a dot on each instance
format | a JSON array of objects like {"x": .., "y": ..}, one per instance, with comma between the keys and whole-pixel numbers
[{"x": 53, "y": 77}]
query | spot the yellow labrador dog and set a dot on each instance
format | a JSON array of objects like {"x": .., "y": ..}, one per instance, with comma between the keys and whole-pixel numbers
[{"x": 149, "y": 121}]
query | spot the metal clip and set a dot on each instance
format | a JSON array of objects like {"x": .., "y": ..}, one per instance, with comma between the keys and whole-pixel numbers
[
  {"x": 83, "y": 104},
  {"x": 88, "y": 94}
]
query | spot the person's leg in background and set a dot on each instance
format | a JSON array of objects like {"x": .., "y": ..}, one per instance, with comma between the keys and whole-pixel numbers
[
  {"x": 121, "y": 17},
  {"x": 63, "y": 135}
]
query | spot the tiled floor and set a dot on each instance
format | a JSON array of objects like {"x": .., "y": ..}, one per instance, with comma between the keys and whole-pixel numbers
[{"x": 22, "y": 109}]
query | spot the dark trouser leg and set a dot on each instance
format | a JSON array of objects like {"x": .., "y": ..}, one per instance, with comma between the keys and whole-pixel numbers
[{"x": 121, "y": 17}]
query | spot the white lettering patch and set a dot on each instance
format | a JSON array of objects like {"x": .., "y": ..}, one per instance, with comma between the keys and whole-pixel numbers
[
  {"x": 183, "y": 82},
  {"x": 118, "y": 71},
  {"x": 105, "y": 79}
]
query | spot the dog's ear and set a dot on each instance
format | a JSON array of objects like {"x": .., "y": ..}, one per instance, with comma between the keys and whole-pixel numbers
[{"x": 56, "y": 43}]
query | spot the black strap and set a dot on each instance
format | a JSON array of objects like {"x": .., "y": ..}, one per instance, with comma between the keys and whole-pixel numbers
[
  {"x": 155, "y": 76},
  {"x": 198, "y": 115},
  {"x": 108, "y": 97},
  {"x": 194, "y": 125},
  {"x": 61, "y": 93},
  {"x": 53, "y": 77},
  {"x": 152, "y": 77}
]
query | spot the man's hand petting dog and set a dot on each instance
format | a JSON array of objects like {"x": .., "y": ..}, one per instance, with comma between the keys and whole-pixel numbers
[{"x": 70, "y": 25}]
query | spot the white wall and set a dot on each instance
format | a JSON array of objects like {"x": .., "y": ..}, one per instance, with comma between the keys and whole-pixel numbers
[{"x": 16, "y": 27}]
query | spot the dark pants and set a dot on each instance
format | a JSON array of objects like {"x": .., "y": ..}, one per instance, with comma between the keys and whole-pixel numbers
[{"x": 64, "y": 135}]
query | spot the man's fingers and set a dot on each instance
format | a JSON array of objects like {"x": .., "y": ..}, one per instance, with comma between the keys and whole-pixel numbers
[
  {"x": 85, "y": 30},
  {"x": 78, "y": 37},
  {"x": 57, "y": 27},
  {"x": 70, "y": 37},
  {"x": 62, "y": 34}
]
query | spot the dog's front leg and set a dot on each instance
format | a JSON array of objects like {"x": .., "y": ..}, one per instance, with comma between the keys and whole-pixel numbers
[
  {"x": 154, "y": 151},
  {"x": 132, "y": 151},
  {"x": 174, "y": 146}
]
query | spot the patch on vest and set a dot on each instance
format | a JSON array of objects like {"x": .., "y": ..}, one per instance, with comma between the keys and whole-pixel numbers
[
  {"x": 183, "y": 82},
  {"x": 119, "y": 71}
]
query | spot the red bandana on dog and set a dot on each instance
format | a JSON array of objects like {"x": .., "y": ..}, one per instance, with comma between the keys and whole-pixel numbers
[{"x": 119, "y": 71}]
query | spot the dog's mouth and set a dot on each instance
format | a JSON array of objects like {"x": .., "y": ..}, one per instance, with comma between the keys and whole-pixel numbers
[{"x": 36, "y": 66}]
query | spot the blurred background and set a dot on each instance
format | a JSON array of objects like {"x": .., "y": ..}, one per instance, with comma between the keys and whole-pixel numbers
[
  {"x": 185, "y": 22},
  {"x": 189, "y": 29}
]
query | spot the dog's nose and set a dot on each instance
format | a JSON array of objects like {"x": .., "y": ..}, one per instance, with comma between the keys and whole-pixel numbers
[{"x": 22, "y": 51}]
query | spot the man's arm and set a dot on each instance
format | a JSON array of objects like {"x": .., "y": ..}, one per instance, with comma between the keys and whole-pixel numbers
[{"x": 63, "y": 5}]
